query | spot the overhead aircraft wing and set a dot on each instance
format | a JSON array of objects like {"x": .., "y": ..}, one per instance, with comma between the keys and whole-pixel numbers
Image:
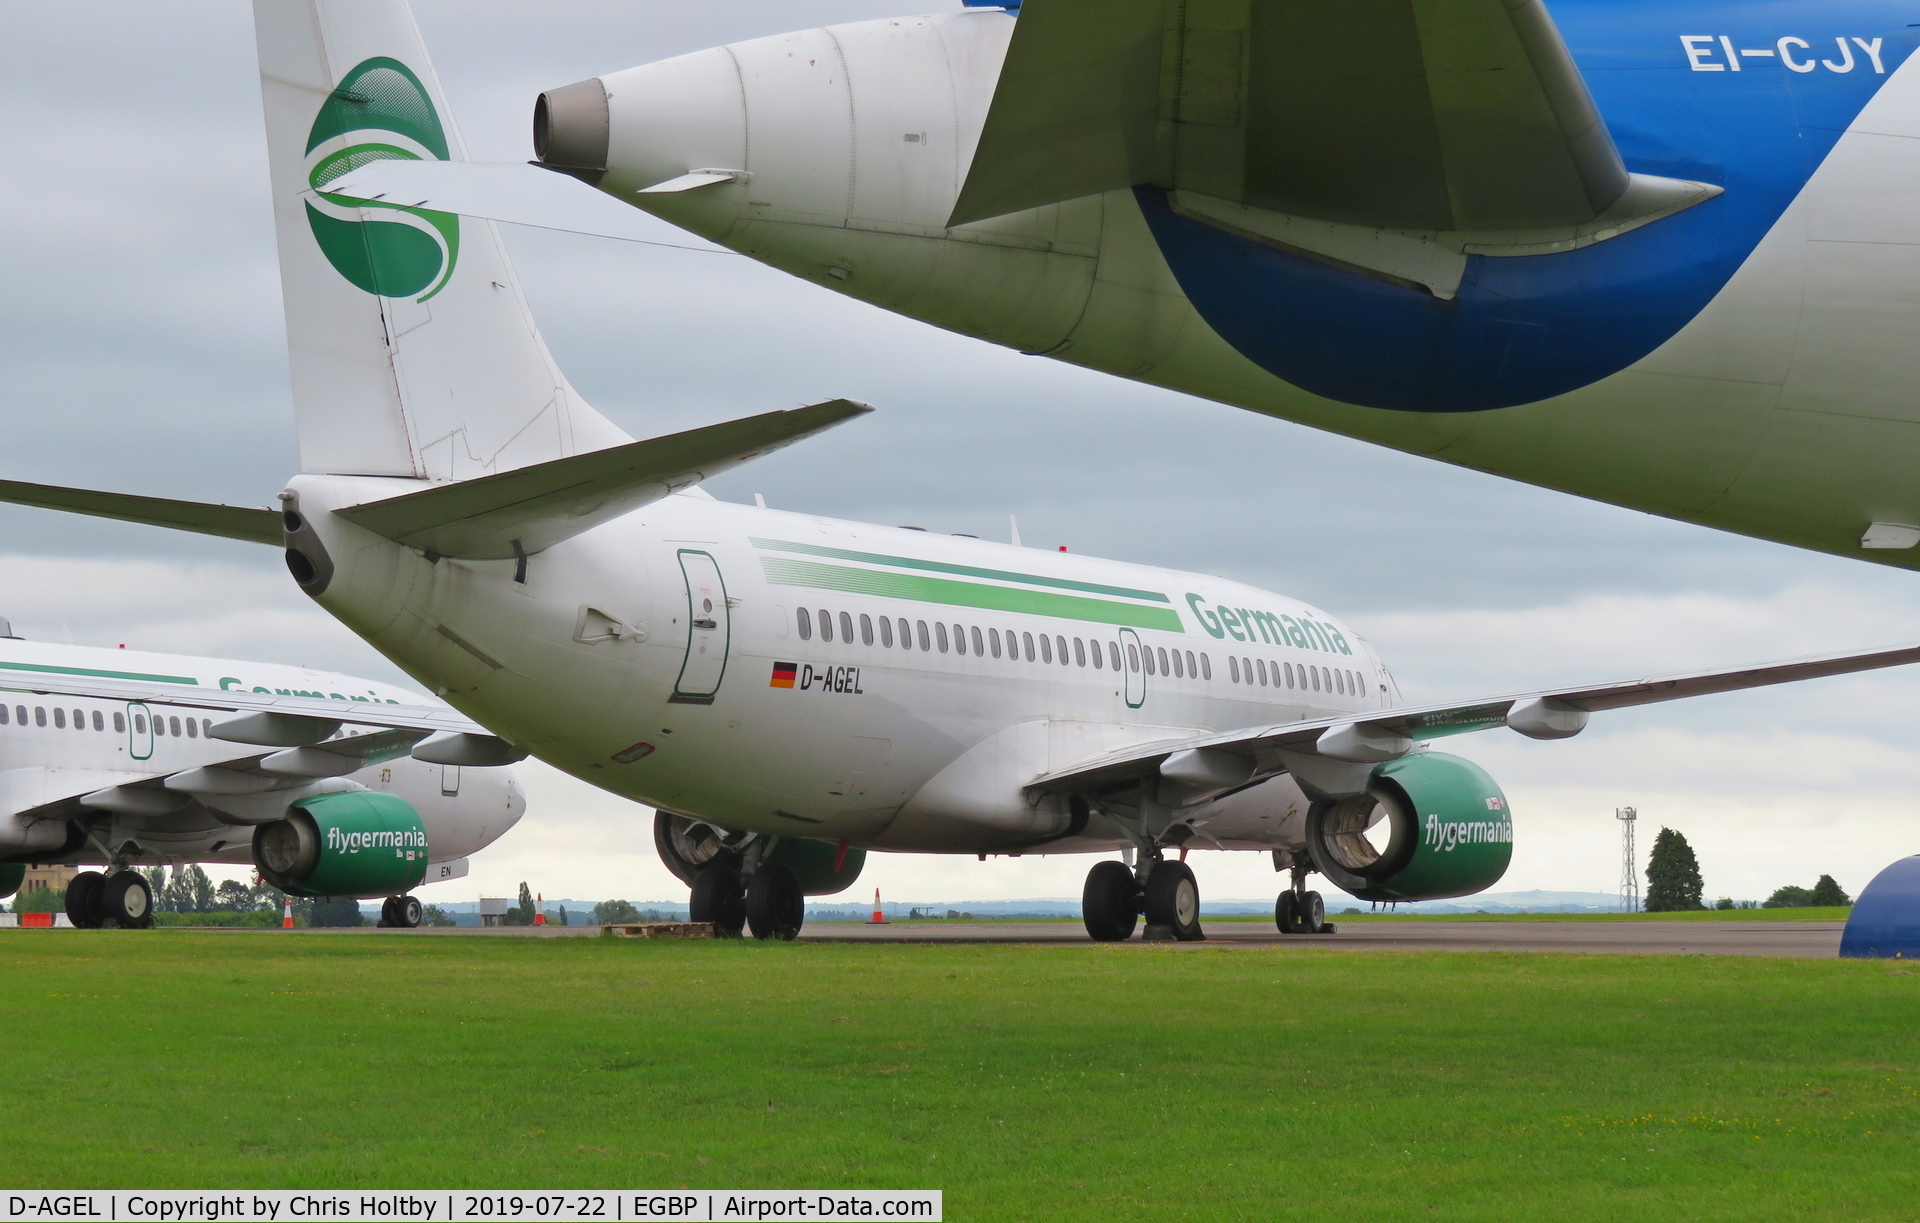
[
  {"x": 1421, "y": 115},
  {"x": 518, "y": 512},
  {"x": 1336, "y": 754}
]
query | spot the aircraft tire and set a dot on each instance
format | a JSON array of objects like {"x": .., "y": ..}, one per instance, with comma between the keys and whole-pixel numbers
[
  {"x": 776, "y": 907},
  {"x": 719, "y": 898},
  {"x": 1286, "y": 913},
  {"x": 1110, "y": 902},
  {"x": 83, "y": 899},
  {"x": 1313, "y": 915},
  {"x": 126, "y": 902},
  {"x": 1173, "y": 901},
  {"x": 402, "y": 912}
]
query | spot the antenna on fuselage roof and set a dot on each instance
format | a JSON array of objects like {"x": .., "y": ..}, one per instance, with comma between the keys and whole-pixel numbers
[{"x": 1013, "y": 529}]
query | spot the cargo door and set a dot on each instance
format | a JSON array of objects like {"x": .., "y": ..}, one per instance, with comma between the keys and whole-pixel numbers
[{"x": 709, "y": 630}]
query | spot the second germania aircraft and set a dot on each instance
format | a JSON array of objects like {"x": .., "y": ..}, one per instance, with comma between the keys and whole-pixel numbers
[{"x": 790, "y": 691}]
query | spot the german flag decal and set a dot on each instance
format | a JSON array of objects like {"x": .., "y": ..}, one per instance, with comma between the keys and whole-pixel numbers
[{"x": 783, "y": 673}]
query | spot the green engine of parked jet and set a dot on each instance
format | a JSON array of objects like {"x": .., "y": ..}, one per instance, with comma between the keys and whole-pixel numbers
[
  {"x": 361, "y": 843},
  {"x": 685, "y": 845},
  {"x": 1430, "y": 826},
  {"x": 12, "y": 875}
]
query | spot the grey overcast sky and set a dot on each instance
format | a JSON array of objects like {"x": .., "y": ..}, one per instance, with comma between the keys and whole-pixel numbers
[{"x": 140, "y": 334}]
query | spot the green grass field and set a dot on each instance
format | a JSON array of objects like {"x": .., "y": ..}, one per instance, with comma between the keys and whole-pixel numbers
[
  {"x": 1837, "y": 913},
  {"x": 1134, "y": 1082}
]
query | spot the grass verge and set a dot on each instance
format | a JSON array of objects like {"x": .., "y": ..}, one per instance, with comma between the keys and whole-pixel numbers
[{"x": 1027, "y": 1082}]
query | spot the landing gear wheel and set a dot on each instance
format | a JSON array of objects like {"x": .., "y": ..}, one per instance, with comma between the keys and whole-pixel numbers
[
  {"x": 719, "y": 898},
  {"x": 1286, "y": 913},
  {"x": 1173, "y": 901},
  {"x": 776, "y": 906},
  {"x": 1110, "y": 903},
  {"x": 83, "y": 899},
  {"x": 125, "y": 902},
  {"x": 400, "y": 912},
  {"x": 1313, "y": 915}
]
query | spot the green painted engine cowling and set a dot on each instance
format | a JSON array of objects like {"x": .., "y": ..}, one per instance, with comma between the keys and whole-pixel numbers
[
  {"x": 12, "y": 875},
  {"x": 1429, "y": 827},
  {"x": 361, "y": 843},
  {"x": 813, "y": 862}
]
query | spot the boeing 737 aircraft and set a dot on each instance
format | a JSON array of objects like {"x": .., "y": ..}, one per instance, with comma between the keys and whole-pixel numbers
[
  {"x": 789, "y": 691},
  {"x": 122, "y": 757},
  {"x": 1655, "y": 252}
]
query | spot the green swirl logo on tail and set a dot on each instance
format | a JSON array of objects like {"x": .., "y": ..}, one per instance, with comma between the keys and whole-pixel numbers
[{"x": 385, "y": 112}]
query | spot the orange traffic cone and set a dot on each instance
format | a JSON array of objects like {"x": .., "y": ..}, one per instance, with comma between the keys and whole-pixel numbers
[
  {"x": 539, "y": 916},
  {"x": 879, "y": 918},
  {"x": 286, "y": 915}
]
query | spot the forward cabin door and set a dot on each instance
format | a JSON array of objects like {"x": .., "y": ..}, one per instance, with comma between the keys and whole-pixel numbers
[
  {"x": 709, "y": 629},
  {"x": 139, "y": 731},
  {"x": 1131, "y": 650}
]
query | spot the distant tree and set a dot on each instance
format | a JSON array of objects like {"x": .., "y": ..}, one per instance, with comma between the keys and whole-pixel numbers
[
  {"x": 520, "y": 914},
  {"x": 434, "y": 915},
  {"x": 156, "y": 877},
  {"x": 1673, "y": 875},
  {"x": 1827, "y": 893},
  {"x": 615, "y": 913},
  {"x": 232, "y": 896},
  {"x": 1725, "y": 902},
  {"x": 1789, "y": 897},
  {"x": 335, "y": 912},
  {"x": 46, "y": 900},
  {"x": 197, "y": 890}
]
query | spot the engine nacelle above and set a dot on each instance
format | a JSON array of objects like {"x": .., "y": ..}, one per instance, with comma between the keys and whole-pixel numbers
[
  {"x": 362, "y": 843},
  {"x": 1430, "y": 826}
]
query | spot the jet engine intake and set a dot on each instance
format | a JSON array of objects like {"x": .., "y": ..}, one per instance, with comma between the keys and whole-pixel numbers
[{"x": 1429, "y": 827}]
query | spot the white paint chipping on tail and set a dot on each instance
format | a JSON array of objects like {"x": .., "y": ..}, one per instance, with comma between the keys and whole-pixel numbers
[{"x": 412, "y": 349}]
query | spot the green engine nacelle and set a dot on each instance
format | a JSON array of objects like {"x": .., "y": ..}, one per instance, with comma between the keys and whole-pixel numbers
[
  {"x": 1447, "y": 832},
  {"x": 687, "y": 844},
  {"x": 12, "y": 875},
  {"x": 361, "y": 843}
]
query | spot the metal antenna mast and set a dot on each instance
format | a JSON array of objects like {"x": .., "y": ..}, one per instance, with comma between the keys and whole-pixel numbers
[{"x": 1629, "y": 877}]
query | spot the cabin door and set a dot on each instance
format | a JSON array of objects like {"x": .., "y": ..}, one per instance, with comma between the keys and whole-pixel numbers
[{"x": 709, "y": 629}]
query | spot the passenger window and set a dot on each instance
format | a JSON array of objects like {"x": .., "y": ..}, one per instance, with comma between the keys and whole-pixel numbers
[
  {"x": 1314, "y": 675},
  {"x": 959, "y": 639},
  {"x": 866, "y": 629},
  {"x": 59, "y": 719},
  {"x": 1340, "y": 677},
  {"x": 1262, "y": 664},
  {"x": 173, "y": 727},
  {"x": 906, "y": 634},
  {"x": 805, "y": 619},
  {"x": 1096, "y": 652},
  {"x": 1190, "y": 667},
  {"x": 1061, "y": 650},
  {"x": 1206, "y": 667},
  {"x": 1046, "y": 648},
  {"x": 206, "y": 724},
  {"x": 925, "y": 642},
  {"x": 20, "y": 714},
  {"x": 940, "y": 635},
  {"x": 100, "y": 723},
  {"x": 193, "y": 729},
  {"x": 1079, "y": 652},
  {"x": 979, "y": 647},
  {"x": 159, "y": 725},
  {"x": 1113, "y": 654},
  {"x": 1233, "y": 668},
  {"x": 886, "y": 631},
  {"x": 1327, "y": 676},
  {"x": 119, "y": 723},
  {"x": 1162, "y": 651},
  {"x": 1028, "y": 638},
  {"x": 826, "y": 625},
  {"x": 5, "y": 717},
  {"x": 1133, "y": 657},
  {"x": 1289, "y": 667},
  {"x": 79, "y": 719},
  {"x": 139, "y": 723},
  {"x": 1179, "y": 668},
  {"x": 993, "y": 640},
  {"x": 1148, "y": 651},
  {"x": 846, "y": 628}
]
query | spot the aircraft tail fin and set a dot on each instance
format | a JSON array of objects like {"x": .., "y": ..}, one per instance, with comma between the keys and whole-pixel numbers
[{"x": 412, "y": 349}]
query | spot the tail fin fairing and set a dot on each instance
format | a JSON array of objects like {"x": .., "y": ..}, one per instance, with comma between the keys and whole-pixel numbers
[{"x": 412, "y": 349}]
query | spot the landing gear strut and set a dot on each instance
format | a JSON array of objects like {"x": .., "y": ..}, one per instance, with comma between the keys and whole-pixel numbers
[
  {"x": 1166, "y": 892},
  {"x": 1299, "y": 911},
  {"x": 400, "y": 912}
]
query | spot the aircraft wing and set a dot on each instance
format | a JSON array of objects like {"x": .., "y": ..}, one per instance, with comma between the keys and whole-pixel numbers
[
  {"x": 1336, "y": 754},
  {"x": 1421, "y": 115}
]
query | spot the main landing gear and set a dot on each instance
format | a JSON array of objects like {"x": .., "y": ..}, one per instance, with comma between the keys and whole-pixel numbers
[
  {"x": 1299, "y": 911},
  {"x": 1166, "y": 892},
  {"x": 400, "y": 913},
  {"x": 117, "y": 901},
  {"x": 766, "y": 900}
]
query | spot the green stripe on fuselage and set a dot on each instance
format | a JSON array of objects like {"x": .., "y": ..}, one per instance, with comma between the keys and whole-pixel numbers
[
  {"x": 783, "y": 572},
  {"x": 965, "y": 571},
  {"x": 151, "y": 679}
]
